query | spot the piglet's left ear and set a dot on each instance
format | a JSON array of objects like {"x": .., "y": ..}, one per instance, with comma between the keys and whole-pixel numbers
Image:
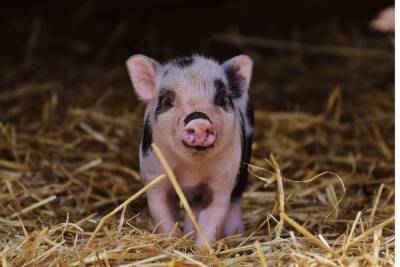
[
  {"x": 239, "y": 70},
  {"x": 143, "y": 72}
]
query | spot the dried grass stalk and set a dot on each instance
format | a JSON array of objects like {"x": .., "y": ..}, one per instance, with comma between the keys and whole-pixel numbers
[
  {"x": 307, "y": 234},
  {"x": 33, "y": 206},
  {"x": 367, "y": 233},
  {"x": 261, "y": 254}
]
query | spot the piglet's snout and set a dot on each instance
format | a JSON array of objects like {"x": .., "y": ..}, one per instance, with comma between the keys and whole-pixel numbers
[{"x": 199, "y": 133}]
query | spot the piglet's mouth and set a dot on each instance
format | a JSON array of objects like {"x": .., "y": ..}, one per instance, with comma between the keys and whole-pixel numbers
[{"x": 197, "y": 148}]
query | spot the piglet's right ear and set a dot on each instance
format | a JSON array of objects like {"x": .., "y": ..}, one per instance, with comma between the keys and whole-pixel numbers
[{"x": 143, "y": 72}]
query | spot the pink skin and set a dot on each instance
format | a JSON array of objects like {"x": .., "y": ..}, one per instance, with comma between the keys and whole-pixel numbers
[
  {"x": 211, "y": 219},
  {"x": 187, "y": 223},
  {"x": 200, "y": 133},
  {"x": 234, "y": 223}
]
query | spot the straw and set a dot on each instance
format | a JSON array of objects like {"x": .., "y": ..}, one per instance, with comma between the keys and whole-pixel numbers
[
  {"x": 124, "y": 204},
  {"x": 261, "y": 254},
  {"x": 190, "y": 259},
  {"x": 33, "y": 206},
  {"x": 370, "y": 231},
  {"x": 306, "y": 233}
]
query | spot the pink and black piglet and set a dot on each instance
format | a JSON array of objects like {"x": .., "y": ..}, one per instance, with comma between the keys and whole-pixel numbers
[{"x": 199, "y": 114}]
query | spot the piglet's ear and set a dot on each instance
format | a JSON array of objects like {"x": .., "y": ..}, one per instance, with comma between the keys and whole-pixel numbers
[
  {"x": 238, "y": 71},
  {"x": 143, "y": 72}
]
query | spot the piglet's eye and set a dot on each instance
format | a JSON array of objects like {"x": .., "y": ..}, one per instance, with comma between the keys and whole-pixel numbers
[
  {"x": 221, "y": 99},
  {"x": 166, "y": 100}
]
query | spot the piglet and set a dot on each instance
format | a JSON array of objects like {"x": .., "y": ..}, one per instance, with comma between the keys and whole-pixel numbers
[{"x": 199, "y": 115}]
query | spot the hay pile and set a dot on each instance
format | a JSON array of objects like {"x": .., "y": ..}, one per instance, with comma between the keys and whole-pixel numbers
[{"x": 68, "y": 156}]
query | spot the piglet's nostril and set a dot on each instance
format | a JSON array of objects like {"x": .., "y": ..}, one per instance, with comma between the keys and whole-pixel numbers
[{"x": 189, "y": 135}]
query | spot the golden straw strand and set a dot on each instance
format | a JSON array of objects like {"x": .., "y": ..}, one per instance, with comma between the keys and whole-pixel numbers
[
  {"x": 261, "y": 254},
  {"x": 33, "y": 206},
  {"x": 306, "y": 233},
  {"x": 370, "y": 231}
]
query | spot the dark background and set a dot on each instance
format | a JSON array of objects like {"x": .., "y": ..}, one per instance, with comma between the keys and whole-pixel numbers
[
  {"x": 165, "y": 29},
  {"x": 68, "y": 40}
]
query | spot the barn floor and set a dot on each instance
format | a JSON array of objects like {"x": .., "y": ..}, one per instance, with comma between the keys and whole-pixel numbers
[{"x": 69, "y": 136}]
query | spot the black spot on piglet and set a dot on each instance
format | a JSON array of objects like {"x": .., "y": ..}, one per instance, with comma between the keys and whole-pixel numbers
[
  {"x": 199, "y": 196},
  {"x": 183, "y": 62},
  {"x": 236, "y": 82},
  {"x": 219, "y": 84},
  {"x": 147, "y": 136},
  {"x": 247, "y": 140},
  {"x": 249, "y": 113}
]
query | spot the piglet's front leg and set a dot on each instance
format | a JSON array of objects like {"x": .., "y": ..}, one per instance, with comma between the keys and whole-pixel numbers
[
  {"x": 234, "y": 223},
  {"x": 187, "y": 224},
  {"x": 161, "y": 209},
  {"x": 212, "y": 218}
]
